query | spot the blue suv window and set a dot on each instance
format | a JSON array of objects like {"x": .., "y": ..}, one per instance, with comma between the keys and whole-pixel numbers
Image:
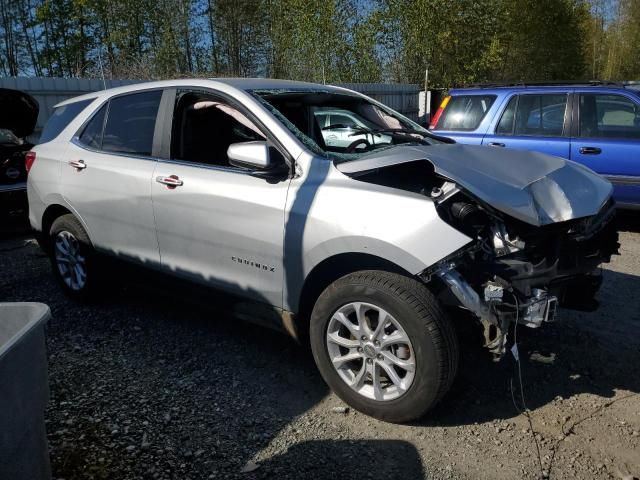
[
  {"x": 539, "y": 115},
  {"x": 465, "y": 112},
  {"x": 608, "y": 116}
]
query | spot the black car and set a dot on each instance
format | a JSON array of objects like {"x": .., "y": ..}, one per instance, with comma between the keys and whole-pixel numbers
[{"x": 18, "y": 116}]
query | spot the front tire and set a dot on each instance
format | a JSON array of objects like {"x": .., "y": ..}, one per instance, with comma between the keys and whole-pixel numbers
[
  {"x": 384, "y": 345},
  {"x": 73, "y": 258}
]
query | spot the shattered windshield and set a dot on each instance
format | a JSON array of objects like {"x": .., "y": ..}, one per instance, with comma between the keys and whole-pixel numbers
[{"x": 341, "y": 126}]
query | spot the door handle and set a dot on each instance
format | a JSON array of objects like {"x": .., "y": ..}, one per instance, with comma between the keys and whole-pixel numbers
[
  {"x": 172, "y": 181},
  {"x": 496, "y": 144},
  {"x": 78, "y": 164},
  {"x": 590, "y": 150}
]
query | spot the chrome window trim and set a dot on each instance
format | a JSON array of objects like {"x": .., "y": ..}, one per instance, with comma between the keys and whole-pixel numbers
[
  {"x": 218, "y": 168},
  {"x": 184, "y": 163},
  {"x": 76, "y": 141}
]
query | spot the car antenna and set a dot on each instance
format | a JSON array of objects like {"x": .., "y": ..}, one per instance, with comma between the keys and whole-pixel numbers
[{"x": 104, "y": 84}]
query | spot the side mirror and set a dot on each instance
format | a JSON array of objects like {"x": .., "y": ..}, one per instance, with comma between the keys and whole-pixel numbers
[{"x": 249, "y": 155}]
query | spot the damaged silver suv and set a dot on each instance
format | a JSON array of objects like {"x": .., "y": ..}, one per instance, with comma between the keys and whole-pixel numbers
[{"x": 361, "y": 247}]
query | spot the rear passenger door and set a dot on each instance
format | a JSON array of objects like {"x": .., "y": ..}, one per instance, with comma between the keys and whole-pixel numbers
[
  {"x": 106, "y": 177},
  {"x": 537, "y": 122},
  {"x": 607, "y": 140}
]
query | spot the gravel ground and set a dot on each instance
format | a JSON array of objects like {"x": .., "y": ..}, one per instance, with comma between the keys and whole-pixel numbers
[{"x": 147, "y": 385}]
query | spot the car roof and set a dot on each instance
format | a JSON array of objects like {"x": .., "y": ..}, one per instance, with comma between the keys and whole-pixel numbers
[
  {"x": 242, "y": 84},
  {"x": 503, "y": 89}
]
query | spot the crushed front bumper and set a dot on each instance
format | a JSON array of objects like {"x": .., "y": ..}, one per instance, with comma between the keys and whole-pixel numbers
[{"x": 558, "y": 267}]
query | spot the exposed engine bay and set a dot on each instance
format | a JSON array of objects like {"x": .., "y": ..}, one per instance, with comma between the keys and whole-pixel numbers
[{"x": 513, "y": 271}]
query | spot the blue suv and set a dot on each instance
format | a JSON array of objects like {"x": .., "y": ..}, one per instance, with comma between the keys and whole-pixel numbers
[{"x": 595, "y": 124}]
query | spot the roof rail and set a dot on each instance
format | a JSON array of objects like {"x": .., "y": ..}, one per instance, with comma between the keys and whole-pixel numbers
[{"x": 594, "y": 83}]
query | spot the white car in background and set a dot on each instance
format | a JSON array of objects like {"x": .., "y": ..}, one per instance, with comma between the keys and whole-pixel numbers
[{"x": 341, "y": 128}]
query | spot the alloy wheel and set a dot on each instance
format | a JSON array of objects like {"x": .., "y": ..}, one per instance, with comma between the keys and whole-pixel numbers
[
  {"x": 370, "y": 351},
  {"x": 71, "y": 263}
]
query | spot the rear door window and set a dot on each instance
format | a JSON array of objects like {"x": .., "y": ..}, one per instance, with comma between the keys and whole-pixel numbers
[
  {"x": 608, "y": 116},
  {"x": 465, "y": 112},
  {"x": 61, "y": 117},
  {"x": 534, "y": 115},
  {"x": 131, "y": 121}
]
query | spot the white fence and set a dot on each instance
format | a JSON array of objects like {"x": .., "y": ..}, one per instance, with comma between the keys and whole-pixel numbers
[{"x": 50, "y": 91}]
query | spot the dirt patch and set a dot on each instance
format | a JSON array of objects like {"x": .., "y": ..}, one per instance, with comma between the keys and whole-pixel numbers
[{"x": 146, "y": 385}]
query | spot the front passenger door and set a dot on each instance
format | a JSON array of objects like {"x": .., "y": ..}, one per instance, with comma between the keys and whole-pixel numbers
[{"x": 218, "y": 224}]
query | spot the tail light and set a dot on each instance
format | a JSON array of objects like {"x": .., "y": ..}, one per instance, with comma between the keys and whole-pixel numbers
[
  {"x": 29, "y": 158},
  {"x": 436, "y": 117}
]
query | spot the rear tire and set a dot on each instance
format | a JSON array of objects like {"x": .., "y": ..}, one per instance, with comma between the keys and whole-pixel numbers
[
  {"x": 73, "y": 258},
  {"x": 416, "y": 340}
]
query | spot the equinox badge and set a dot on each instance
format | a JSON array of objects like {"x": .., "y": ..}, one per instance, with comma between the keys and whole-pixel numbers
[{"x": 251, "y": 263}]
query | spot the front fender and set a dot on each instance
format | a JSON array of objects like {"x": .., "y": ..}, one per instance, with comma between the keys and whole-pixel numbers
[{"x": 333, "y": 214}]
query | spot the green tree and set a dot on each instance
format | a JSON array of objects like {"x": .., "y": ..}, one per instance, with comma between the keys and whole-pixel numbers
[
  {"x": 623, "y": 52},
  {"x": 455, "y": 39},
  {"x": 312, "y": 40},
  {"x": 544, "y": 40},
  {"x": 460, "y": 41},
  {"x": 64, "y": 26}
]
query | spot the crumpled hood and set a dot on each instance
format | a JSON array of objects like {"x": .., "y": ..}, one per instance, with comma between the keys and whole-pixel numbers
[
  {"x": 533, "y": 187},
  {"x": 18, "y": 112}
]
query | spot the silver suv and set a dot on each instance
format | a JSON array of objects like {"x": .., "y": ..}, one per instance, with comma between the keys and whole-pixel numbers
[{"x": 365, "y": 249}]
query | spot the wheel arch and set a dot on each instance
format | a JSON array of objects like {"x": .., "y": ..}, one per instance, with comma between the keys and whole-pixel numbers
[
  {"x": 331, "y": 269},
  {"x": 51, "y": 213}
]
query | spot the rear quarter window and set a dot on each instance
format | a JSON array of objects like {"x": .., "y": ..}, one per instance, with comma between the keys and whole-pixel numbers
[
  {"x": 465, "y": 112},
  {"x": 61, "y": 117},
  {"x": 92, "y": 134}
]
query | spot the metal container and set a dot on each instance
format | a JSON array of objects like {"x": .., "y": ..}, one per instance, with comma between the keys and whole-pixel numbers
[{"x": 24, "y": 392}]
